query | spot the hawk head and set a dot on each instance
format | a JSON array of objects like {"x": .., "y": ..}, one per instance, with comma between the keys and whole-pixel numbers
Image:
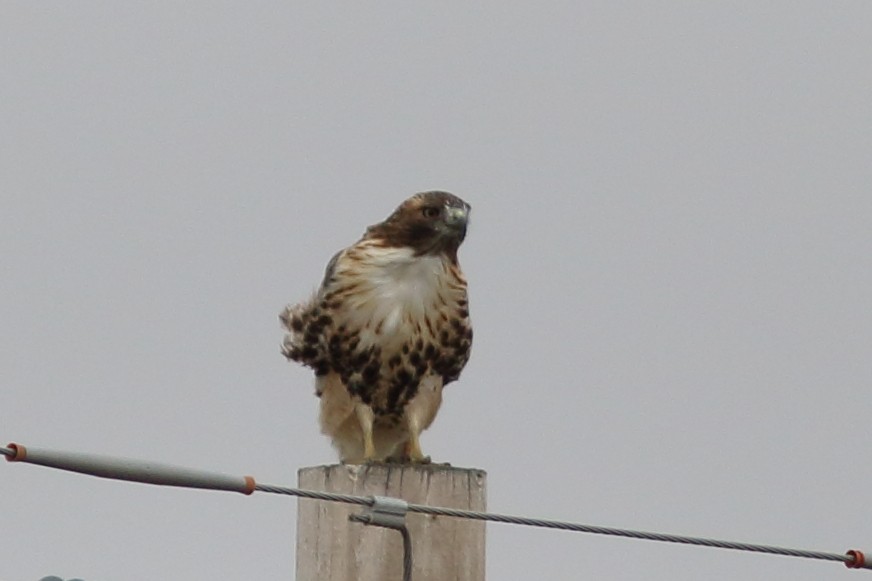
[{"x": 430, "y": 223}]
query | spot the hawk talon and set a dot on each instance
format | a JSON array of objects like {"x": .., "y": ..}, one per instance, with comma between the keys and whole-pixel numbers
[{"x": 405, "y": 460}]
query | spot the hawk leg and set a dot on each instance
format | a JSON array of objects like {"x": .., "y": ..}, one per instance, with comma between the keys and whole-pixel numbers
[
  {"x": 365, "y": 417},
  {"x": 412, "y": 449}
]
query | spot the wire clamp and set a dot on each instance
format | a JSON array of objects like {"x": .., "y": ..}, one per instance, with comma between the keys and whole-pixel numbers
[
  {"x": 389, "y": 513},
  {"x": 384, "y": 512},
  {"x": 858, "y": 560}
]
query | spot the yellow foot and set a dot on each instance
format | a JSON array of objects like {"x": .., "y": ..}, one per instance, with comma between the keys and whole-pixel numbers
[
  {"x": 368, "y": 450},
  {"x": 365, "y": 417},
  {"x": 412, "y": 453},
  {"x": 406, "y": 459}
]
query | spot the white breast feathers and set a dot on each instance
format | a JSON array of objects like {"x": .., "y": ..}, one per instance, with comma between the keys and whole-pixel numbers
[{"x": 394, "y": 293}]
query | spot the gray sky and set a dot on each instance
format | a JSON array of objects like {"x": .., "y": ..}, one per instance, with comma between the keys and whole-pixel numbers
[{"x": 670, "y": 269}]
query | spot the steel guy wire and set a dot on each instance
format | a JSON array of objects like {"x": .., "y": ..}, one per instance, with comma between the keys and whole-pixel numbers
[{"x": 138, "y": 471}]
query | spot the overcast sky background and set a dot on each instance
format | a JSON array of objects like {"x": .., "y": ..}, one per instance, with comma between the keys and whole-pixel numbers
[{"x": 670, "y": 266}]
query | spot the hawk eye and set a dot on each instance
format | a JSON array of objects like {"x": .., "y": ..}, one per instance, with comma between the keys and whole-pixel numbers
[{"x": 430, "y": 212}]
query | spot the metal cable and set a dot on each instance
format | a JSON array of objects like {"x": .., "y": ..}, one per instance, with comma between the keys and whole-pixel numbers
[
  {"x": 567, "y": 526},
  {"x": 314, "y": 494},
  {"x": 597, "y": 530},
  {"x": 853, "y": 559},
  {"x": 407, "y": 542},
  {"x": 407, "y": 553}
]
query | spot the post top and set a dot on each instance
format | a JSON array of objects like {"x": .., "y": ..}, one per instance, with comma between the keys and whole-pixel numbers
[{"x": 363, "y": 470}]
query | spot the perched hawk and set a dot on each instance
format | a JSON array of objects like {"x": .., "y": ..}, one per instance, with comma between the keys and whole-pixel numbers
[{"x": 387, "y": 330}]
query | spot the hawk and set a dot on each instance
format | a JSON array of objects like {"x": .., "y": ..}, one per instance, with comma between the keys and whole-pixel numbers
[{"x": 387, "y": 330}]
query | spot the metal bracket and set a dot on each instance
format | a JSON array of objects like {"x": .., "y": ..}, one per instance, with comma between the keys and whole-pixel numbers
[
  {"x": 384, "y": 512},
  {"x": 389, "y": 513}
]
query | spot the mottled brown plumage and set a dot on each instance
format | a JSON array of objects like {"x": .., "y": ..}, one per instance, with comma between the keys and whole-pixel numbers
[{"x": 387, "y": 330}]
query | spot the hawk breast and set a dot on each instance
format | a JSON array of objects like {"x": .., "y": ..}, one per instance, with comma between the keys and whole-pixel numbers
[
  {"x": 383, "y": 321},
  {"x": 409, "y": 314},
  {"x": 398, "y": 300}
]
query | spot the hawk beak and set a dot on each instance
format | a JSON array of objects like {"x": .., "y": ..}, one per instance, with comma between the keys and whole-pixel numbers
[
  {"x": 457, "y": 217},
  {"x": 456, "y": 220}
]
